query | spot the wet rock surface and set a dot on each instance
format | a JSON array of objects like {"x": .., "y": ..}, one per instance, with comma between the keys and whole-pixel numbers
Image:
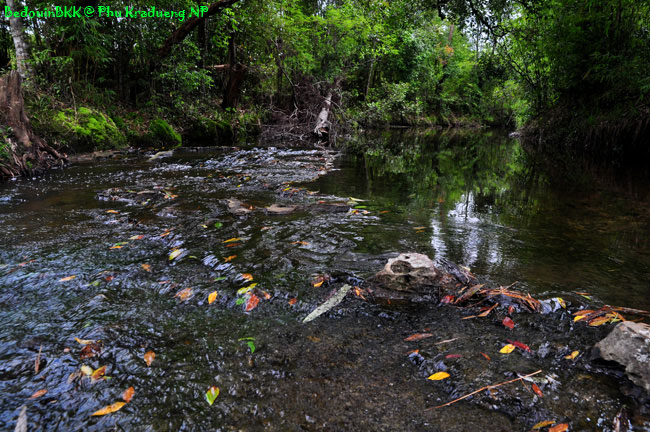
[{"x": 628, "y": 344}]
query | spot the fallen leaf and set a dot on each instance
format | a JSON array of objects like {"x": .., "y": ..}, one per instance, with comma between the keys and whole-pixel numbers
[
  {"x": 212, "y": 297},
  {"x": 230, "y": 258},
  {"x": 98, "y": 373},
  {"x": 318, "y": 284},
  {"x": 419, "y": 228},
  {"x": 537, "y": 390},
  {"x": 415, "y": 351},
  {"x": 511, "y": 309},
  {"x": 448, "y": 299},
  {"x": 90, "y": 350},
  {"x": 562, "y": 427},
  {"x": 507, "y": 349},
  {"x": 38, "y": 394},
  {"x": 302, "y": 243},
  {"x": 599, "y": 321},
  {"x": 231, "y": 240},
  {"x": 184, "y": 294},
  {"x": 561, "y": 301},
  {"x": 418, "y": 336},
  {"x": 438, "y": 376},
  {"x": 128, "y": 394},
  {"x": 67, "y": 278},
  {"x": 84, "y": 341},
  {"x": 247, "y": 276},
  {"x": 520, "y": 345},
  {"x": 508, "y": 323},
  {"x": 146, "y": 267},
  {"x": 86, "y": 370},
  {"x": 218, "y": 224},
  {"x": 543, "y": 424},
  {"x": 148, "y": 357},
  {"x": 244, "y": 290},
  {"x": 112, "y": 211},
  {"x": 136, "y": 237},
  {"x": 266, "y": 295},
  {"x": 211, "y": 394},
  {"x": 252, "y": 303},
  {"x": 109, "y": 409},
  {"x": 487, "y": 311},
  {"x": 175, "y": 253},
  {"x": 166, "y": 233},
  {"x": 573, "y": 355},
  {"x": 579, "y": 317},
  {"x": 116, "y": 247},
  {"x": 230, "y": 245},
  {"x": 453, "y": 356},
  {"x": 487, "y": 357}
]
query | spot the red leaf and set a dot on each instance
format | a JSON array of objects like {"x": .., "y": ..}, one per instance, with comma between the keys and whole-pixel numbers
[
  {"x": 508, "y": 323},
  {"x": 487, "y": 357},
  {"x": 252, "y": 302},
  {"x": 453, "y": 356},
  {"x": 562, "y": 427},
  {"x": 293, "y": 301},
  {"x": 447, "y": 299},
  {"x": 520, "y": 345},
  {"x": 511, "y": 309},
  {"x": 418, "y": 336},
  {"x": 537, "y": 390}
]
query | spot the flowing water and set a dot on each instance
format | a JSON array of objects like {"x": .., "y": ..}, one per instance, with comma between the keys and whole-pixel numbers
[{"x": 104, "y": 252}]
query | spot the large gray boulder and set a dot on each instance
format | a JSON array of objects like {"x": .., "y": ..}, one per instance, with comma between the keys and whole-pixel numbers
[{"x": 629, "y": 345}]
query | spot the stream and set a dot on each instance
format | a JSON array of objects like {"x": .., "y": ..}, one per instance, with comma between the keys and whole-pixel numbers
[{"x": 128, "y": 251}]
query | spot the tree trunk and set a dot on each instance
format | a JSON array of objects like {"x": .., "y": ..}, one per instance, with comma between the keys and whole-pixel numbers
[
  {"x": 235, "y": 78},
  {"x": 22, "y": 151},
  {"x": 22, "y": 49}
]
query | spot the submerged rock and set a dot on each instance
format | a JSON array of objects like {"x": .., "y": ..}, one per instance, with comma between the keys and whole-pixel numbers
[
  {"x": 414, "y": 278},
  {"x": 629, "y": 345}
]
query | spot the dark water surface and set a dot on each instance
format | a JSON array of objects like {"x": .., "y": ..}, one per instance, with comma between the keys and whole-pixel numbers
[{"x": 473, "y": 198}]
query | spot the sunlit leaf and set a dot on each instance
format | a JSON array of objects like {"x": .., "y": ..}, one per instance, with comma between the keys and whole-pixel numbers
[
  {"x": 148, "y": 357},
  {"x": 211, "y": 394},
  {"x": 537, "y": 390},
  {"x": 418, "y": 336},
  {"x": 543, "y": 424},
  {"x": 508, "y": 323},
  {"x": 98, "y": 373},
  {"x": 86, "y": 370},
  {"x": 599, "y": 321},
  {"x": 128, "y": 394},
  {"x": 562, "y": 427},
  {"x": 507, "y": 349},
  {"x": 84, "y": 341},
  {"x": 184, "y": 294},
  {"x": 146, "y": 267},
  {"x": 438, "y": 376},
  {"x": 561, "y": 301},
  {"x": 230, "y": 258},
  {"x": 109, "y": 409},
  {"x": 116, "y": 246},
  {"x": 318, "y": 284},
  {"x": 175, "y": 253},
  {"x": 112, "y": 211},
  {"x": 231, "y": 240},
  {"x": 166, "y": 233},
  {"x": 251, "y": 303},
  {"x": 212, "y": 297},
  {"x": 573, "y": 355},
  {"x": 38, "y": 394},
  {"x": 487, "y": 357},
  {"x": 67, "y": 278},
  {"x": 244, "y": 290},
  {"x": 247, "y": 276},
  {"x": 293, "y": 301},
  {"x": 579, "y": 317}
]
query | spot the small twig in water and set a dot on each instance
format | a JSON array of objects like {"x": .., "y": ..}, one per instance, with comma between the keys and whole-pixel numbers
[
  {"x": 37, "y": 363},
  {"x": 484, "y": 388}
]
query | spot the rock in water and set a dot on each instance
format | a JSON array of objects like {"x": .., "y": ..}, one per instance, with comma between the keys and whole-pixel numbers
[
  {"x": 414, "y": 278},
  {"x": 237, "y": 207},
  {"x": 629, "y": 345}
]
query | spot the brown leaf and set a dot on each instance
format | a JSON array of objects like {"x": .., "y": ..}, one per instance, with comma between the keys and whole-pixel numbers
[
  {"x": 38, "y": 394},
  {"x": 148, "y": 357},
  {"x": 537, "y": 390},
  {"x": 91, "y": 350},
  {"x": 128, "y": 394},
  {"x": 487, "y": 311},
  {"x": 599, "y": 321},
  {"x": 418, "y": 336},
  {"x": 184, "y": 294},
  {"x": 109, "y": 409},
  {"x": 146, "y": 267},
  {"x": 252, "y": 302}
]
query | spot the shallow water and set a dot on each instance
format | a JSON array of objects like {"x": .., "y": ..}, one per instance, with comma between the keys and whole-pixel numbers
[{"x": 475, "y": 199}]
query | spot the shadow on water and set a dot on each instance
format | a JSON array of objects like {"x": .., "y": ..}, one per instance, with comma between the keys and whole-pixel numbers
[{"x": 474, "y": 198}]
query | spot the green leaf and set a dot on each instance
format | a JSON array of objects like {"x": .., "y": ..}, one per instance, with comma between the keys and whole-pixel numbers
[
  {"x": 220, "y": 278},
  {"x": 211, "y": 394},
  {"x": 251, "y": 345},
  {"x": 240, "y": 301},
  {"x": 218, "y": 224}
]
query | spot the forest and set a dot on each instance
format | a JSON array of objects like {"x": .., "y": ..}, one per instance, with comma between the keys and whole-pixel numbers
[
  {"x": 573, "y": 75},
  {"x": 325, "y": 215}
]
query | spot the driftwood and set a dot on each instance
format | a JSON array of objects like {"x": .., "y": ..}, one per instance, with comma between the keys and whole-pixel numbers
[
  {"x": 322, "y": 123},
  {"x": 25, "y": 152}
]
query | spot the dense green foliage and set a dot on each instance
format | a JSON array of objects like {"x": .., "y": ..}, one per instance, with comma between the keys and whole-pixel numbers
[{"x": 501, "y": 62}]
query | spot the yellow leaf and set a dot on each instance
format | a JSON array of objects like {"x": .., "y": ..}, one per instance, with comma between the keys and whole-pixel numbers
[
  {"x": 116, "y": 247},
  {"x": 84, "y": 341},
  {"x": 230, "y": 258},
  {"x": 98, "y": 373},
  {"x": 543, "y": 424},
  {"x": 246, "y": 289},
  {"x": 579, "y": 317},
  {"x": 573, "y": 355},
  {"x": 562, "y": 302},
  {"x": 318, "y": 284},
  {"x": 212, "y": 297},
  {"x": 86, "y": 370},
  {"x": 234, "y": 239},
  {"x": 148, "y": 357},
  {"x": 68, "y": 278},
  {"x": 112, "y": 211},
  {"x": 109, "y": 409},
  {"x": 175, "y": 253},
  {"x": 599, "y": 321},
  {"x": 438, "y": 376},
  {"x": 507, "y": 349}
]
